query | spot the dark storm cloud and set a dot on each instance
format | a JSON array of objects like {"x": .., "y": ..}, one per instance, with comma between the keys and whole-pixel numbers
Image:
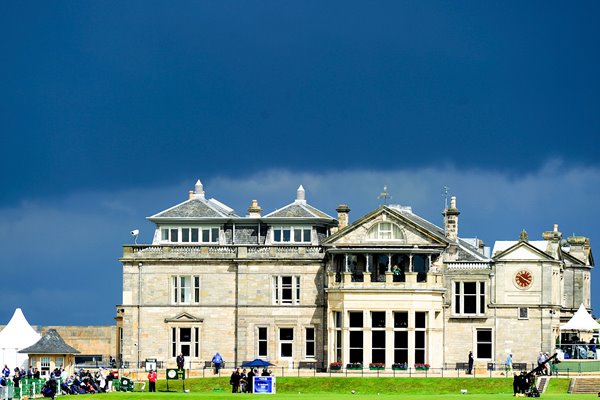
[{"x": 112, "y": 94}]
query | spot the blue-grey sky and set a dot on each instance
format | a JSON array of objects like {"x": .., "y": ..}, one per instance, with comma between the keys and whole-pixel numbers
[{"x": 110, "y": 111}]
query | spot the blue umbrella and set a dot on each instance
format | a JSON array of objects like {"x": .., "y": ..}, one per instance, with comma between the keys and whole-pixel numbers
[{"x": 257, "y": 363}]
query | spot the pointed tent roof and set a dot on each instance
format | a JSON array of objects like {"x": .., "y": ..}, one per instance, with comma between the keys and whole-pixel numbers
[
  {"x": 18, "y": 333},
  {"x": 50, "y": 343},
  {"x": 581, "y": 321}
]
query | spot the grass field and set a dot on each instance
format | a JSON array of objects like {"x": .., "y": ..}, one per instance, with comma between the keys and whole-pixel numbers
[{"x": 365, "y": 389}]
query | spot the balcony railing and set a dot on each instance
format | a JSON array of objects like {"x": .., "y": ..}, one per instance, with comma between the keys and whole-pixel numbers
[{"x": 223, "y": 252}]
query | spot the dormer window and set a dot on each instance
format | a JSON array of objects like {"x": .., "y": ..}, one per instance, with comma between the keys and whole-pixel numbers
[
  {"x": 292, "y": 234},
  {"x": 190, "y": 235},
  {"x": 385, "y": 231}
]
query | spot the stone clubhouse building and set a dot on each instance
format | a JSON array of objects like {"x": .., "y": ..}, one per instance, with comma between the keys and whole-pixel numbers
[{"x": 297, "y": 285}]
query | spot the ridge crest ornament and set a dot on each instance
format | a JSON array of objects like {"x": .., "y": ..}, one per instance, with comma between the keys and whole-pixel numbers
[{"x": 523, "y": 279}]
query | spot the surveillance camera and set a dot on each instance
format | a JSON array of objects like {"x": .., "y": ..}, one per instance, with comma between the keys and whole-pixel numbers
[
  {"x": 135, "y": 344},
  {"x": 135, "y": 232}
]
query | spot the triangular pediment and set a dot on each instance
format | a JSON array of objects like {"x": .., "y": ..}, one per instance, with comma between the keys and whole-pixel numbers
[
  {"x": 406, "y": 230},
  {"x": 522, "y": 250},
  {"x": 184, "y": 317}
]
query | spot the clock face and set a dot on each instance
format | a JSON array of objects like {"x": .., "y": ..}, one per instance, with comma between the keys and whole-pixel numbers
[
  {"x": 523, "y": 279},
  {"x": 172, "y": 373}
]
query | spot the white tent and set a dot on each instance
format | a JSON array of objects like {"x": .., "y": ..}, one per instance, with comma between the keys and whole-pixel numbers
[
  {"x": 16, "y": 335},
  {"x": 581, "y": 321}
]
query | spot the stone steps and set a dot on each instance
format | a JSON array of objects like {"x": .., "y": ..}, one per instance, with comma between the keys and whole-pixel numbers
[{"x": 585, "y": 385}]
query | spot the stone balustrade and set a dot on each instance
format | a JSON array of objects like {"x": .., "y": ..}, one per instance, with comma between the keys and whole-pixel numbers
[{"x": 221, "y": 252}]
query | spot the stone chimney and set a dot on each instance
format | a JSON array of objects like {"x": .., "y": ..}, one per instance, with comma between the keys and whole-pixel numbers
[
  {"x": 254, "y": 209},
  {"x": 451, "y": 220},
  {"x": 343, "y": 210},
  {"x": 554, "y": 235},
  {"x": 579, "y": 247}
]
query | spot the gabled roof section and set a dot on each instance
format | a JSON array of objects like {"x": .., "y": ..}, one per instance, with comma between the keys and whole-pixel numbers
[
  {"x": 299, "y": 209},
  {"x": 403, "y": 214},
  {"x": 196, "y": 207},
  {"x": 50, "y": 343},
  {"x": 466, "y": 251},
  {"x": 184, "y": 317},
  {"x": 537, "y": 249}
]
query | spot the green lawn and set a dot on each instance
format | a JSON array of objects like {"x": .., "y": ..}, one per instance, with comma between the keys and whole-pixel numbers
[{"x": 365, "y": 389}]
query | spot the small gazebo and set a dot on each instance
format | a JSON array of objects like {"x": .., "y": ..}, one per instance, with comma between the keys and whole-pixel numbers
[{"x": 51, "y": 352}]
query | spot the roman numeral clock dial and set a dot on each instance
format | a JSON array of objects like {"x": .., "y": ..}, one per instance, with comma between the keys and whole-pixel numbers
[{"x": 523, "y": 279}]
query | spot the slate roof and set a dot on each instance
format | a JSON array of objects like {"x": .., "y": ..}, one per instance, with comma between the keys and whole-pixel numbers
[
  {"x": 50, "y": 343},
  {"x": 298, "y": 210},
  {"x": 195, "y": 209},
  {"x": 466, "y": 251}
]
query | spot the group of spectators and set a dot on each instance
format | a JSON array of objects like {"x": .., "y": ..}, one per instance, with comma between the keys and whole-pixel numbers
[
  {"x": 17, "y": 375},
  {"x": 81, "y": 382},
  {"x": 84, "y": 382},
  {"x": 241, "y": 382}
]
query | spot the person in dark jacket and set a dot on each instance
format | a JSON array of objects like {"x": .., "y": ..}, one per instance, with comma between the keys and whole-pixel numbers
[
  {"x": 180, "y": 360},
  {"x": 470, "y": 365},
  {"x": 251, "y": 375},
  {"x": 234, "y": 381}
]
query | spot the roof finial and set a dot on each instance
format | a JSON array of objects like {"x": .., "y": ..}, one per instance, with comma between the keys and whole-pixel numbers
[
  {"x": 384, "y": 195},
  {"x": 300, "y": 195},
  {"x": 199, "y": 190},
  {"x": 523, "y": 237}
]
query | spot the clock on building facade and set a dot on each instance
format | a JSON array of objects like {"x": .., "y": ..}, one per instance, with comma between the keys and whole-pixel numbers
[{"x": 523, "y": 279}]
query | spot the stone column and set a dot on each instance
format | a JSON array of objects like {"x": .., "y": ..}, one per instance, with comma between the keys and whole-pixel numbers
[
  {"x": 389, "y": 338},
  {"x": 367, "y": 338}
]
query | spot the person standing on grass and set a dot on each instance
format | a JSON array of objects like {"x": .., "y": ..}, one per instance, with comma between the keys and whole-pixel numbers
[
  {"x": 234, "y": 381},
  {"x": 152, "y": 380},
  {"x": 251, "y": 375}
]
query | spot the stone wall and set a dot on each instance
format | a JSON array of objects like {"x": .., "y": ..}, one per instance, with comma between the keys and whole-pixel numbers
[{"x": 89, "y": 340}]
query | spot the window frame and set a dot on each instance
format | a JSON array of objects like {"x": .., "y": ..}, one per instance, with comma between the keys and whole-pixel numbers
[
  {"x": 278, "y": 234},
  {"x": 523, "y": 313},
  {"x": 478, "y": 299},
  {"x": 284, "y": 342},
  {"x": 177, "y": 289},
  {"x": 190, "y": 234},
  {"x": 479, "y": 343},
  {"x": 310, "y": 343},
  {"x": 377, "y": 233},
  {"x": 264, "y": 341},
  {"x": 279, "y": 289},
  {"x": 193, "y": 343}
]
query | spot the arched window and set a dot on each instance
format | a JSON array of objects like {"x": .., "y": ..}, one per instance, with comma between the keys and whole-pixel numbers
[{"x": 385, "y": 231}]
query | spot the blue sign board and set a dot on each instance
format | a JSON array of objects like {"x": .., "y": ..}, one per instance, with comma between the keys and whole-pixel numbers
[{"x": 264, "y": 385}]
